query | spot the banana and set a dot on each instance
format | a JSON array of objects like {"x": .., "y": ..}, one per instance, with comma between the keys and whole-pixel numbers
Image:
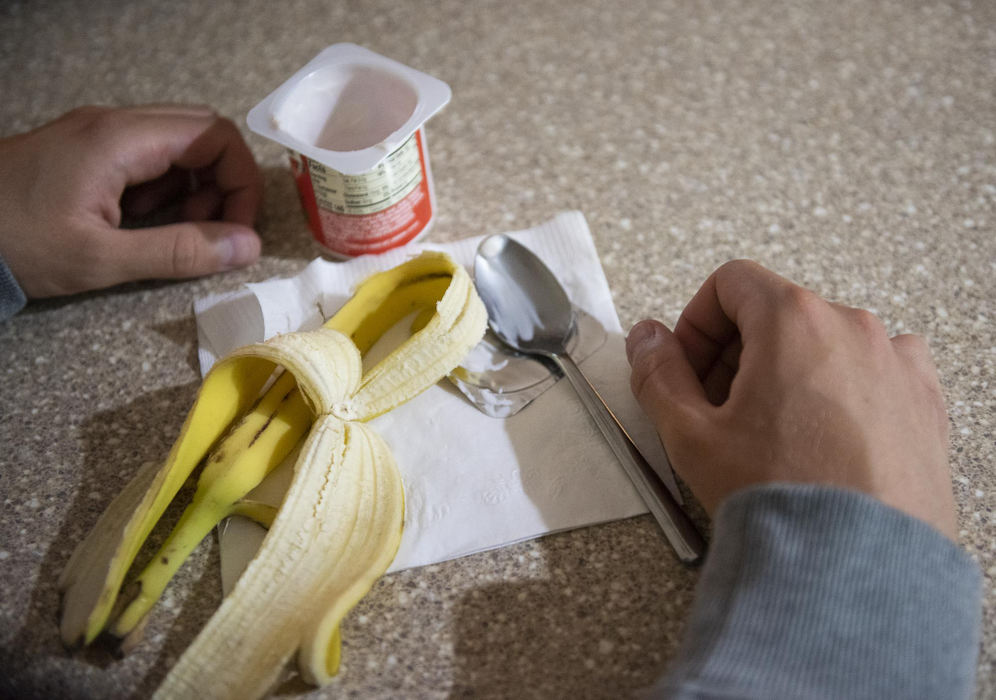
[{"x": 304, "y": 395}]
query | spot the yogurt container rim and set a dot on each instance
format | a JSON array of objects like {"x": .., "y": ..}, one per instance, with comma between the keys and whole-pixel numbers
[{"x": 431, "y": 95}]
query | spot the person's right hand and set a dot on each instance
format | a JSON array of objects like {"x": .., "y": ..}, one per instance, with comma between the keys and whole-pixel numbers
[
  {"x": 66, "y": 187},
  {"x": 764, "y": 381}
]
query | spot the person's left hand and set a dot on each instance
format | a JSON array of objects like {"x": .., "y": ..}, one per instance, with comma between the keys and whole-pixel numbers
[{"x": 66, "y": 186}]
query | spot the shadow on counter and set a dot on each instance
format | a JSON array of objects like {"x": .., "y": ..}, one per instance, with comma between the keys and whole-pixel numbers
[
  {"x": 282, "y": 224},
  {"x": 114, "y": 444},
  {"x": 602, "y": 623}
]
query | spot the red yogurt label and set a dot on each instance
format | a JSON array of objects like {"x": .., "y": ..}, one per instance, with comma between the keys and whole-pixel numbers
[{"x": 373, "y": 212}]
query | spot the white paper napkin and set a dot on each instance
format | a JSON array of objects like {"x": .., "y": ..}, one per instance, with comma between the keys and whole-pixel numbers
[{"x": 473, "y": 482}]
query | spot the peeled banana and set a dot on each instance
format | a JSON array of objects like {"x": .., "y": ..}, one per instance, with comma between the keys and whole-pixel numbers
[{"x": 302, "y": 396}]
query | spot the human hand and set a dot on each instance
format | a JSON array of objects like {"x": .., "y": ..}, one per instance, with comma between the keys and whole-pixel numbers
[
  {"x": 764, "y": 381},
  {"x": 65, "y": 187}
]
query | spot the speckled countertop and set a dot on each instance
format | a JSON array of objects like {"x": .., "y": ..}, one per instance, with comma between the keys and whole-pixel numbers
[{"x": 851, "y": 146}]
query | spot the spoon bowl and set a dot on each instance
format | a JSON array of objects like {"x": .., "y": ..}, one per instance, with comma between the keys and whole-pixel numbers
[{"x": 527, "y": 308}]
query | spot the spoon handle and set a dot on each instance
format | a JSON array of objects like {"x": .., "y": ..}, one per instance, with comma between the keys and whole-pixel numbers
[{"x": 678, "y": 528}]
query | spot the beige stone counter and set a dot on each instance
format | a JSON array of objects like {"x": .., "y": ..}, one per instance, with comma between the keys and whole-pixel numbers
[{"x": 851, "y": 146}]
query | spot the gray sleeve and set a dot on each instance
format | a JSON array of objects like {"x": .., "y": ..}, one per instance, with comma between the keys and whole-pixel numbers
[
  {"x": 12, "y": 297},
  {"x": 814, "y": 592}
]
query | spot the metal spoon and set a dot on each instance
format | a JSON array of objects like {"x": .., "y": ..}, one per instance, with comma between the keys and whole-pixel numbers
[{"x": 530, "y": 311}]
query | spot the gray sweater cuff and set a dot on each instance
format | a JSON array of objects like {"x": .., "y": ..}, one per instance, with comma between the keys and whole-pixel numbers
[
  {"x": 12, "y": 297},
  {"x": 814, "y": 592}
]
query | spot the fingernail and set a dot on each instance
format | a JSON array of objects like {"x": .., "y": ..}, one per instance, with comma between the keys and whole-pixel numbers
[
  {"x": 639, "y": 334},
  {"x": 237, "y": 249}
]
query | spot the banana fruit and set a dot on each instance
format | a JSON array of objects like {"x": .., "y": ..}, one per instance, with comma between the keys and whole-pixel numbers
[{"x": 302, "y": 396}]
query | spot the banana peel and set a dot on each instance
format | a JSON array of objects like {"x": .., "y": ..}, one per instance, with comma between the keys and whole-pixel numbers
[{"x": 303, "y": 395}]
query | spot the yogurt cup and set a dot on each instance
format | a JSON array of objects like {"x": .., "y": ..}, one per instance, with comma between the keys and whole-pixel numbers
[{"x": 353, "y": 125}]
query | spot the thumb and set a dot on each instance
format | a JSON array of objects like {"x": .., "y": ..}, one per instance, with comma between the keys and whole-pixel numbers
[
  {"x": 187, "y": 249},
  {"x": 662, "y": 380}
]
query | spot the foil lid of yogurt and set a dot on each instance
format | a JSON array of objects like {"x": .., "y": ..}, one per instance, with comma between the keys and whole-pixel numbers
[{"x": 349, "y": 107}]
